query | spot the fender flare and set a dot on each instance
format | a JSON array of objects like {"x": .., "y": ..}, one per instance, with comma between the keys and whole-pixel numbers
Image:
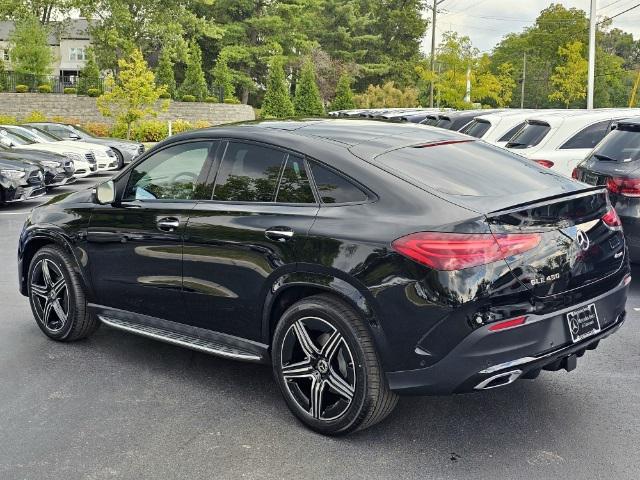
[{"x": 55, "y": 235}]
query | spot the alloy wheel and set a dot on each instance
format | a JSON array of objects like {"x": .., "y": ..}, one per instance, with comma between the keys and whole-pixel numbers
[
  {"x": 49, "y": 295},
  {"x": 318, "y": 368}
]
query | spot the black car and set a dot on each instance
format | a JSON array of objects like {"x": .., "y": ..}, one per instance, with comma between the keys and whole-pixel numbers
[
  {"x": 20, "y": 181},
  {"x": 58, "y": 170},
  {"x": 125, "y": 150},
  {"x": 615, "y": 164},
  {"x": 361, "y": 259}
]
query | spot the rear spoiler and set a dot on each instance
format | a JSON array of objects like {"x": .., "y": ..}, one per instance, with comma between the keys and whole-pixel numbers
[{"x": 552, "y": 199}]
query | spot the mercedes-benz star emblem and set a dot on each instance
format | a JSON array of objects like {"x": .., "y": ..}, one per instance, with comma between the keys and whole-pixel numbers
[
  {"x": 575, "y": 328},
  {"x": 582, "y": 240}
]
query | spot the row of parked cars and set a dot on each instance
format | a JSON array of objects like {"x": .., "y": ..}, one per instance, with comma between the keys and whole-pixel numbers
[
  {"x": 599, "y": 147},
  {"x": 35, "y": 157}
]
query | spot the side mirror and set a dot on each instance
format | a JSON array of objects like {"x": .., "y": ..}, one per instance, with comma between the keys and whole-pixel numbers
[
  {"x": 74, "y": 136},
  {"x": 105, "y": 193}
]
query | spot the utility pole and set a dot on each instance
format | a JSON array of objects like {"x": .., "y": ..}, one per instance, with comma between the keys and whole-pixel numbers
[
  {"x": 592, "y": 55},
  {"x": 433, "y": 46},
  {"x": 524, "y": 79}
]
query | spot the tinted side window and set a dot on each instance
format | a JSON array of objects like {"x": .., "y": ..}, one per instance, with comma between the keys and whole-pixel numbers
[
  {"x": 175, "y": 173},
  {"x": 248, "y": 173},
  {"x": 334, "y": 188},
  {"x": 476, "y": 128},
  {"x": 294, "y": 185},
  {"x": 588, "y": 137},
  {"x": 507, "y": 136}
]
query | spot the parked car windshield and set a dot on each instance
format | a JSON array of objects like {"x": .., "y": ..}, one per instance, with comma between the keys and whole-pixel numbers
[
  {"x": 9, "y": 138},
  {"x": 36, "y": 135},
  {"x": 472, "y": 168},
  {"x": 619, "y": 146},
  {"x": 530, "y": 135}
]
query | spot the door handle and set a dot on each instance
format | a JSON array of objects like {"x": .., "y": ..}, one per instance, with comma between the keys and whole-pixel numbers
[
  {"x": 279, "y": 234},
  {"x": 168, "y": 224}
]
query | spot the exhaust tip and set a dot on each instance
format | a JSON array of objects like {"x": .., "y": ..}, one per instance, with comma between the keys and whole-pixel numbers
[{"x": 499, "y": 380}]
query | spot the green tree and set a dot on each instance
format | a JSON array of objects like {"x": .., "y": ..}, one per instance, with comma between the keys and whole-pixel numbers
[
  {"x": 570, "y": 79},
  {"x": 307, "y": 99},
  {"x": 43, "y": 10},
  {"x": 90, "y": 74},
  {"x": 506, "y": 84},
  {"x": 223, "y": 78},
  {"x": 165, "y": 74},
  {"x": 133, "y": 95},
  {"x": 194, "y": 82},
  {"x": 30, "y": 54},
  {"x": 344, "y": 95},
  {"x": 3, "y": 74},
  {"x": 277, "y": 102}
]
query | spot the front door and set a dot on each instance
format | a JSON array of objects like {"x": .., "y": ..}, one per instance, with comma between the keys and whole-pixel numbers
[
  {"x": 262, "y": 209},
  {"x": 135, "y": 245}
]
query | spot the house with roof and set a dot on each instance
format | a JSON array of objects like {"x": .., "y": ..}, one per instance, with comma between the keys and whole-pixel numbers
[{"x": 68, "y": 41}]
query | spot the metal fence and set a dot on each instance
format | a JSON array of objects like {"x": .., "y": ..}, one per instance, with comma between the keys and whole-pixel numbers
[{"x": 57, "y": 83}]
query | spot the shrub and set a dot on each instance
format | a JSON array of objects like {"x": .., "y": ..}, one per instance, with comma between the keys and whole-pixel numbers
[
  {"x": 70, "y": 91},
  {"x": 94, "y": 92},
  {"x": 69, "y": 120},
  {"x": 145, "y": 131},
  {"x": 97, "y": 129},
  {"x": 44, "y": 88},
  {"x": 35, "y": 116},
  {"x": 211, "y": 100},
  {"x": 202, "y": 124},
  {"x": 8, "y": 120},
  {"x": 188, "y": 98},
  {"x": 22, "y": 88},
  {"x": 165, "y": 95},
  {"x": 232, "y": 100},
  {"x": 179, "y": 126}
]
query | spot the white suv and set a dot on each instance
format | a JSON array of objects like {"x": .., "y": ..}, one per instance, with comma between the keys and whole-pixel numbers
[{"x": 561, "y": 140}]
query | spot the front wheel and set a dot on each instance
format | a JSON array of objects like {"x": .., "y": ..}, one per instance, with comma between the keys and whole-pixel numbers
[
  {"x": 326, "y": 366},
  {"x": 57, "y": 296}
]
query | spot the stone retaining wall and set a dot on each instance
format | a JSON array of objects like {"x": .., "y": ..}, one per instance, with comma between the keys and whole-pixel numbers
[{"x": 84, "y": 109}]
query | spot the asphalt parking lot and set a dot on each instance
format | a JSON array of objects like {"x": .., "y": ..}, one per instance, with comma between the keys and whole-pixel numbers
[{"x": 119, "y": 406}]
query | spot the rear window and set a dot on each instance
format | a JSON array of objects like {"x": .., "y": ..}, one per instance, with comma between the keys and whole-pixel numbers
[
  {"x": 444, "y": 122},
  {"x": 430, "y": 120},
  {"x": 530, "y": 135},
  {"x": 476, "y": 128},
  {"x": 469, "y": 168},
  {"x": 507, "y": 136},
  {"x": 619, "y": 146}
]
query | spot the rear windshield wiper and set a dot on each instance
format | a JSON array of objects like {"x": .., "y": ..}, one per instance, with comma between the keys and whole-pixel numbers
[
  {"x": 516, "y": 145},
  {"x": 604, "y": 158}
]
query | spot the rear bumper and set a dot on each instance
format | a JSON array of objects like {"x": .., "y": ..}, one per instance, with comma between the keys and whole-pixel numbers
[{"x": 486, "y": 359}]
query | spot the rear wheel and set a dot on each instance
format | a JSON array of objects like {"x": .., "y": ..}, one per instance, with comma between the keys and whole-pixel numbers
[
  {"x": 120, "y": 159},
  {"x": 326, "y": 366},
  {"x": 57, "y": 297}
]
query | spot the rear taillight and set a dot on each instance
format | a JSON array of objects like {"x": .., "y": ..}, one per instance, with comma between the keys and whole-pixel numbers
[
  {"x": 455, "y": 251},
  {"x": 545, "y": 163},
  {"x": 628, "y": 187},
  {"x": 612, "y": 220},
  {"x": 574, "y": 174}
]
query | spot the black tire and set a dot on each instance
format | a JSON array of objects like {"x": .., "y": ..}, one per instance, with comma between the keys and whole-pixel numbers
[
  {"x": 78, "y": 322},
  {"x": 371, "y": 399},
  {"x": 120, "y": 159}
]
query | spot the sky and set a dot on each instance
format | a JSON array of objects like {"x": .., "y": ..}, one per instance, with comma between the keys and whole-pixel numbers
[{"x": 487, "y": 21}]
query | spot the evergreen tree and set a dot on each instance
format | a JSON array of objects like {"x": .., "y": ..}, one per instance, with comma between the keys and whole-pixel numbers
[
  {"x": 223, "y": 78},
  {"x": 90, "y": 74},
  {"x": 194, "y": 82},
  {"x": 307, "y": 100},
  {"x": 277, "y": 102},
  {"x": 344, "y": 95},
  {"x": 164, "y": 72}
]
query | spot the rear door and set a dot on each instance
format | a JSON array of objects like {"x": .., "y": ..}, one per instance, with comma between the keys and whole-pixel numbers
[{"x": 249, "y": 232}]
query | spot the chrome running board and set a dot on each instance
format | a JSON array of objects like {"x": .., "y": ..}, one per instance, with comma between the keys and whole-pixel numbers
[{"x": 181, "y": 339}]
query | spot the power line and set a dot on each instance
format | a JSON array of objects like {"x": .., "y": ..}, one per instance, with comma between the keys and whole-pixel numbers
[
  {"x": 611, "y": 4},
  {"x": 624, "y": 11}
]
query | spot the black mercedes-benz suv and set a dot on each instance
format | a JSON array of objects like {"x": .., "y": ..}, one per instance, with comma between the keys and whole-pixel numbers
[{"x": 361, "y": 259}]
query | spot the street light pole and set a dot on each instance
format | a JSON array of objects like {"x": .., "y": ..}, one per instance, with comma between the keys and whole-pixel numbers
[
  {"x": 592, "y": 55},
  {"x": 524, "y": 79},
  {"x": 433, "y": 46}
]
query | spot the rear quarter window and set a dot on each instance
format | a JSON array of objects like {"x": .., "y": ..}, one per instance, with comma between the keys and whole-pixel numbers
[
  {"x": 476, "y": 128},
  {"x": 530, "y": 135},
  {"x": 469, "y": 168},
  {"x": 334, "y": 188}
]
